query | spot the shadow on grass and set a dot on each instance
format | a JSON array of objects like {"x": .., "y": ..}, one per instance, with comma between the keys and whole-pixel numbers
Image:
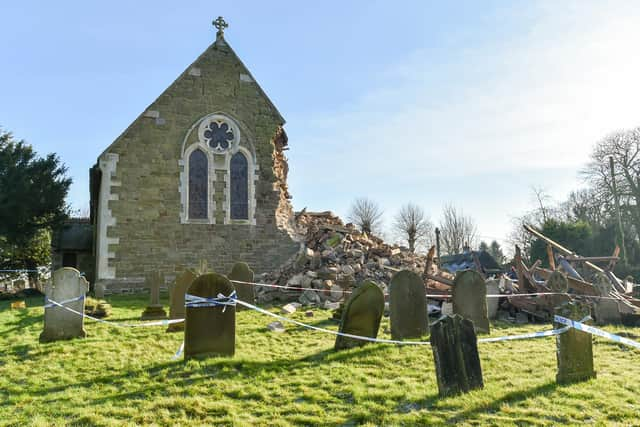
[
  {"x": 177, "y": 373},
  {"x": 25, "y": 319}
]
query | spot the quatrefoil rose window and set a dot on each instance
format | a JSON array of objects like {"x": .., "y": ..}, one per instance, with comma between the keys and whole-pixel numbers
[{"x": 219, "y": 133}]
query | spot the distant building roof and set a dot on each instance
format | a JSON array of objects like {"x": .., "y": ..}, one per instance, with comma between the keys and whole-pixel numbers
[
  {"x": 465, "y": 261},
  {"x": 76, "y": 234}
]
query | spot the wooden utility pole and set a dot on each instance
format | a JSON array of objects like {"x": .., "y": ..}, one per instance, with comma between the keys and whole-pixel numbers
[
  {"x": 438, "y": 244},
  {"x": 615, "y": 198}
]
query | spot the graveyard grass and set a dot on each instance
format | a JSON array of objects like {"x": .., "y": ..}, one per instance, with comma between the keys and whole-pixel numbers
[{"x": 126, "y": 376}]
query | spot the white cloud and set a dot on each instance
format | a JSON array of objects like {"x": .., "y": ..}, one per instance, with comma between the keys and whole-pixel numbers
[{"x": 527, "y": 105}]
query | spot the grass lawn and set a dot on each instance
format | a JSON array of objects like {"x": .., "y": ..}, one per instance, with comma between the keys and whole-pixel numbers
[{"x": 126, "y": 376}]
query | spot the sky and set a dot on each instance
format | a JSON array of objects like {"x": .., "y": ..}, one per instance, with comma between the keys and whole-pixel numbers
[{"x": 459, "y": 102}]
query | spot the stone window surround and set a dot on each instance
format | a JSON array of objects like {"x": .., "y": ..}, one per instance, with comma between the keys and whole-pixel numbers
[{"x": 252, "y": 168}]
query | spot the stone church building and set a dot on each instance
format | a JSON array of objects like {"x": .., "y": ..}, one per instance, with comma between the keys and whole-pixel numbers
[{"x": 200, "y": 174}]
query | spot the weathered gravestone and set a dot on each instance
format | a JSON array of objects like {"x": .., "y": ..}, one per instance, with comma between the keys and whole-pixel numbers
[
  {"x": 470, "y": 299},
  {"x": 558, "y": 284},
  {"x": 605, "y": 309},
  {"x": 176, "y": 305},
  {"x": 154, "y": 310},
  {"x": 210, "y": 326},
  {"x": 68, "y": 288},
  {"x": 493, "y": 288},
  {"x": 455, "y": 353},
  {"x": 361, "y": 315},
  {"x": 245, "y": 292},
  {"x": 574, "y": 348},
  {"x": 408, "y": 305}
]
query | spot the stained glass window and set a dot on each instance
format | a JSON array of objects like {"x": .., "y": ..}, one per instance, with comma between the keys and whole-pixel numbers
[
  {"x": 219, "y": 136},
  {"x": 198, "y": 177},
  {"x": 239, "y": 171}
]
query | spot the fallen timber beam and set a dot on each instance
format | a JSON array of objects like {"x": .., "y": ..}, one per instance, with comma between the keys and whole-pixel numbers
[
  {"x": 524, "y": 286},
  {"x": 575, "y": 258},
  {"x": 612, "y": 263},
  {"x": 552, "y": 260},
  {"x": 442, "y": 280},
  {"x": 558, "y": 246}
]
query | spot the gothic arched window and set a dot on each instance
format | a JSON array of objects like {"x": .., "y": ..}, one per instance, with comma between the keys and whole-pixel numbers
[
  {"x": 198, "y": 185},
  {"x": 239, "y": 186}
]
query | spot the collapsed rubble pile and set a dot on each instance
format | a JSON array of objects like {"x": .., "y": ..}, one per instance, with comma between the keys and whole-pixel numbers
[{"x": 334, "y": 257}]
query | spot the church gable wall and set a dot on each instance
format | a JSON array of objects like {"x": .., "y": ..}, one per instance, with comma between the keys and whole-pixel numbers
[{"x": 146, "y": 205}]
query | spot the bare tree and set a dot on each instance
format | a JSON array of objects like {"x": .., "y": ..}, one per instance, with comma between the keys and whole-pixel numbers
[
  {"x": 456, "y": 230},
  {"x": 542, "y": 198},
  {"x": 412, "y": 225},
  {"x": 366, "y": 214}
]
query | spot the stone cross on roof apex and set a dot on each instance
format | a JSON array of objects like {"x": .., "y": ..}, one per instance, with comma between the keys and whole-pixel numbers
[{"x": 220, "y": 24}]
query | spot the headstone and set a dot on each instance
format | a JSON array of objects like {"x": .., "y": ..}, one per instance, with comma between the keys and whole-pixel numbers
[
  {"x": 154, "y": 310},
  {"x": 245, "y": 292},
  {"x": 574, "y": 348},
  {"x": 210, "y": 329},
  {"x": 408, "y": 305},
  {"x": 176, "y": 303},
  {"x": 470, "y": 299},
  {"x": 455, "y": 353},
  {"x": 68, "y": 288},
  {"x": 98, "y": 290},
  {"x": 606, "y": 312},
  {"x": 493, "y": 288},
  {"x": 361, "y": 315}
]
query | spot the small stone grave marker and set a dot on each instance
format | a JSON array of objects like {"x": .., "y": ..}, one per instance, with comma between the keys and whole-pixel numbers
[
  {"x": 470, "y": 299},
  {"x": 408, "y": 306},
  {"x": 68, "y": 288},
  {"x": 246, "y": 292},
  {"x": 574, "y": 348},
  {"x": 176, "y": 305},
  {"x": 493, "y": 288},
  {"x": 361, "y": 315},
  {"x": 154, "y": 310},
  {"x": 455, "y": 352},
  {"x": 210, "y": 328}
]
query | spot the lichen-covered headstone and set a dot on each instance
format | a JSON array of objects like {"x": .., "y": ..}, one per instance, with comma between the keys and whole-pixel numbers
[
  {"x": 154, "y": 310},
  {"x": 605, "y": 308},
  {"x": 455, "y": 352},
  {"x": 68, "y": 288},
  {"x": 574, "y": 348},
  {"x": 210, "y": 327},
  {"x": 176, "y": 304},
  {"x": 493, "y": 288},
  {"x": 246, "y": 292},
  {"x": 470, "y": 299},
  {"x": 408, "y": 305},
  {"x": 361, "y": 315}
]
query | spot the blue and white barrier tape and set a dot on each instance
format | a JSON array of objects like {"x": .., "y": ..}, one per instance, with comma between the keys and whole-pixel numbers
[
  {"x": 194, "y": 301},
  {"x": 387, "y": 341},
  {"x": 164, "y": 322},
  {"x": 595, "y": 331},
  {"x": 49, "y": 304}
]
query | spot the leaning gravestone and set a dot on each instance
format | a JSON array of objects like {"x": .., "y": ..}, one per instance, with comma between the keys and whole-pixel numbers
[
  {"x": 361, "y": 315},
  {"x": 470, "y": 299},
  {"x": 493, "y": 288},
  {"x": 68, "y": 288},
  {"x": 242, "y": 273},
  {"x": 154, "y": 310},
  {"x": 408, "y": 305},
  {"x": 176, "y": 305},
  {"x": 455, "y": 352},
  {"x": 574, "y": 348},
  {"x": 210, "y": 328}
]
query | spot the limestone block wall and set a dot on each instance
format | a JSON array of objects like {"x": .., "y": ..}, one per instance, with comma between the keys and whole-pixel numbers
[{"x": 145, "y": 232}]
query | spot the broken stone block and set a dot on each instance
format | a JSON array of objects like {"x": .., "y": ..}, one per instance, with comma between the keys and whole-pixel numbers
[
  {"x": 210, "y": 330},
  {"x": 291, "y": 308},
  {"x": 470, "y": 299},
  {"x": 361, "y": 315},
  {"x": 455, "y": 353},
  {"x": 574, "y": 348},
  {"x": 276, "y": 326},
  {"x": 245, "y": 291},
  {"x": 408, "y": 306},
  {"x": 310, "y": 297},
  {"x": 607, "y": 311}
]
